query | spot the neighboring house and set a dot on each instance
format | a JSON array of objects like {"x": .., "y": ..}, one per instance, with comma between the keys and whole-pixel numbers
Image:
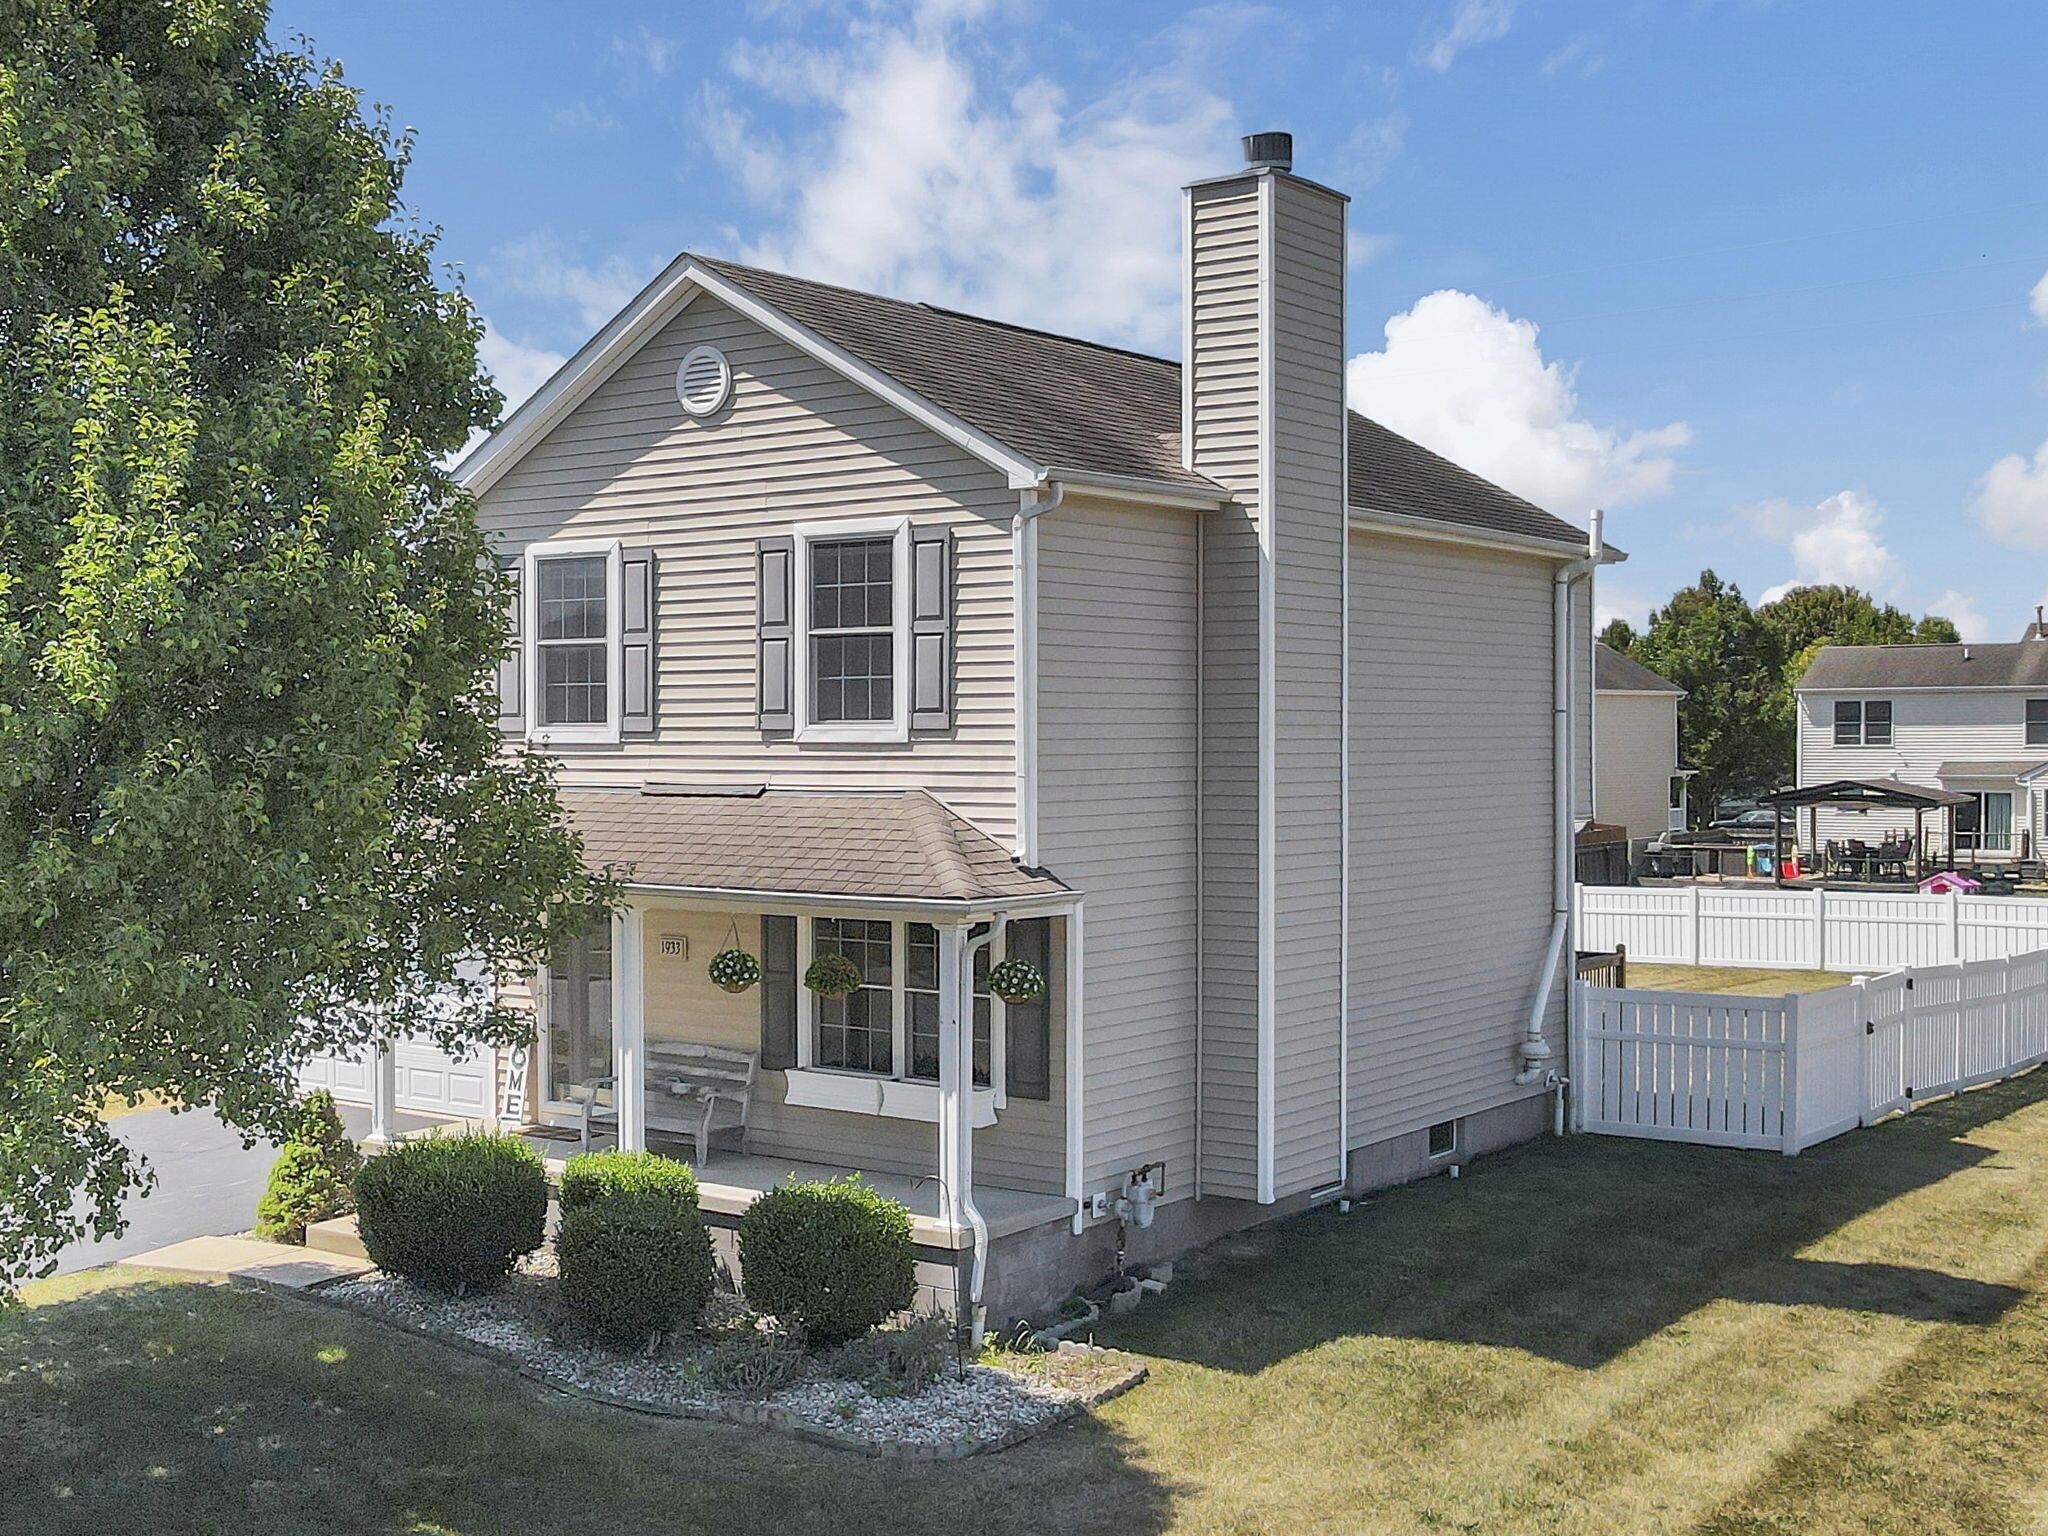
[
  {"x": 866, "y": 626},
  {"x": 1637, "y": 781},
  {"x": 1967, "y": 718}
]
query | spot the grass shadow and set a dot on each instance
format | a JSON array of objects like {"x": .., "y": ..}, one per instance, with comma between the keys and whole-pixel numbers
[{"x": 1579, "y": 1250}]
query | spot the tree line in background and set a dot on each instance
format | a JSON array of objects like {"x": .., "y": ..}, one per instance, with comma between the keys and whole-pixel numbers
[{"x": 1739, "y": 666}]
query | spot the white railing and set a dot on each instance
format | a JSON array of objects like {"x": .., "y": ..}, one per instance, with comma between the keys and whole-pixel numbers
[
  {"x": 1807, "y": 930},
  {"x": 1786, "y": 1072}
]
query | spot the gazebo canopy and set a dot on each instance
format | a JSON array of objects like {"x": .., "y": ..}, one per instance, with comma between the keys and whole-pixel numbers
[{"x": 1865, "y": 792}]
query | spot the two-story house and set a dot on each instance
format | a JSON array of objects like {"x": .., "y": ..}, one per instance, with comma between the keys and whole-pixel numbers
[
  {"x": 865, "y": 627},
  {"x": 1970, "y": 719}
]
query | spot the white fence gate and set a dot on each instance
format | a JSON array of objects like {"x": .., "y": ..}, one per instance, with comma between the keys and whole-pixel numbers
[
  {"x": 1807, "y": 930},
  {"x": 1786, "y": 1072}
]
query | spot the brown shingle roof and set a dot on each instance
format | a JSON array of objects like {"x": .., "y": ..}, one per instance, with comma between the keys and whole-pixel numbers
[
  {"x": 903, "y": 846},
  {"x": 2020, "y": 664},
  {"x": 1620, "y": 673},
  {"x": 1070, "y": 404}
]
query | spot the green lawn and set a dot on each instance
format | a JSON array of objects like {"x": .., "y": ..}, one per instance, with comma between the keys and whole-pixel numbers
[{"x": 1595, "y": 1337}]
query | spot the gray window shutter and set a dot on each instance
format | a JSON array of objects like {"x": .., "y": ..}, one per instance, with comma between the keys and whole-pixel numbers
[
  {"x": 636, "y": 641},
  {"x": 512, "y": 665},
  {"x": 778, "y": 993},
  {"x": 931, "y": 629},
  {"x": 1027, "y": 1027},
  {"x": 774, "y": 562}
]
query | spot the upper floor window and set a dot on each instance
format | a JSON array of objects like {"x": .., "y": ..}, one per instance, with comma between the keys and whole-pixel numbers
[
  {"x": 573, "y": 655},
  {"x": 1863, "y": 722},
  {"x": 853, "y": 611},
  {"x": 2037, "y": 722}
]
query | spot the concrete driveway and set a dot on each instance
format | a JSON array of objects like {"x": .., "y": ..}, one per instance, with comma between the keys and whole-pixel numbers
[{"x": 207, "y": 1183}]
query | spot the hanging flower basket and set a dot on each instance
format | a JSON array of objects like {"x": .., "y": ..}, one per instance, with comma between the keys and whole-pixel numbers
[
  {"x": 734, "y": 970},
  {"x": 1016, "y": 981},
  {"x": 833, "y": 976}
]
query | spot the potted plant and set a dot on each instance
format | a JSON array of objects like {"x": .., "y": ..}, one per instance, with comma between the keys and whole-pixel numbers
[
  {"x": 1016, "y": 981},
  {"x": 833, "y": 975},
  {"x": 733, "y": 969}
]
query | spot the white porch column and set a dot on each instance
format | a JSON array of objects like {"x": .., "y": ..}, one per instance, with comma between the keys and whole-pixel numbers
[
  {"x": 956, "y": 1123},
  {"x": 629, "y": 1026},
  {"x": 383, "y": 1094}
]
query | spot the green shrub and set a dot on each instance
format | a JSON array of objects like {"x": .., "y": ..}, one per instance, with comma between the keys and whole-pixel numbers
[
  {"x": 452, "y": 1212},
  {"x": 310, "y": 1180},
  {"x": 901, "y": 1361},
  {"x": 755, "y": 1363},
  {"x": 833, "y": 1258},
  {"x": 591, "y": 1177},
  {"x": 633, "y": 1266}
]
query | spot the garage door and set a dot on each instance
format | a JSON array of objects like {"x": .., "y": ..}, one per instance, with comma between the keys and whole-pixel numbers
[{"x": 429, "y": 1080}]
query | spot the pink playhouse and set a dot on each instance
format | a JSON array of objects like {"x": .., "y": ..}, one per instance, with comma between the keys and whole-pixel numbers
[{"x": 1948, "y": 882}]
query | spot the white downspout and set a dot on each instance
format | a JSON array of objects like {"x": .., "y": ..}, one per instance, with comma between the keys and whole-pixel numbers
[
  {"x": 1535, "y": 1049},
  {"x": 1031, "y": 505}
]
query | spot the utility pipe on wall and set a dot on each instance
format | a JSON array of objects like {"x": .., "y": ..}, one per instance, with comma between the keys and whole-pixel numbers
[
  {"x": 963, "y": 1080},
  {"x": 1535, "y": 1049},
  {"x": 1031, "y": 505}
]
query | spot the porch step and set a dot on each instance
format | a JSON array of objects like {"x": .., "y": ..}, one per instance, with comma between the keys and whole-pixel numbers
[{"x": 336, "y": 1235}]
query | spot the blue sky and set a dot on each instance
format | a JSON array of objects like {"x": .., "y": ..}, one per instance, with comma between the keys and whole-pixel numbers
[{"x": 1768, "y": 281}]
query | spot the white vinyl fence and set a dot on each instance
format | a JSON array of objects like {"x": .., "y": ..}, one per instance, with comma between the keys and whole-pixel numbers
[
  {"x": 1786, "y": 1072},
  {"x": 1807, "y": 930}
]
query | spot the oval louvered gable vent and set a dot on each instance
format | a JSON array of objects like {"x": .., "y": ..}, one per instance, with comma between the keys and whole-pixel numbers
[{"x": 704, "y": 382}]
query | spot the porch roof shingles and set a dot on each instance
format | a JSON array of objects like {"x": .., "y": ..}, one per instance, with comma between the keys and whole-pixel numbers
[{"x": 902, "y": 847}]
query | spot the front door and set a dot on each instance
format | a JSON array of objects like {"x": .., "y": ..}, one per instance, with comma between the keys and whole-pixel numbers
[
  {"x": 579, "y": 1016},
  {"x": 1984, "y": 823}
]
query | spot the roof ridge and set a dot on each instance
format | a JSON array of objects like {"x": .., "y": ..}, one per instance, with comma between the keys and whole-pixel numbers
[{"x": 936, "y": 828}]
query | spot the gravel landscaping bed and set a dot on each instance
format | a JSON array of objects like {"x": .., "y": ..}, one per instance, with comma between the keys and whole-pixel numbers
[{"x": 986, "y": 1407}]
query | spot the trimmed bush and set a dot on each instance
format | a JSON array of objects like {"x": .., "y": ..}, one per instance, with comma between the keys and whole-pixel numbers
[
  {"x": 590, "y": 1178},
  {"x": 309, "y": 1182},
  {"x": 833, "y": 1258},
  {"x": 633, "y": 1266},
  {"x": 452, "y": 1212}
]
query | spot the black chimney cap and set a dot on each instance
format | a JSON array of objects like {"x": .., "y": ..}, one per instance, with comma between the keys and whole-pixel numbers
[{"x": 1269, "y": 150}]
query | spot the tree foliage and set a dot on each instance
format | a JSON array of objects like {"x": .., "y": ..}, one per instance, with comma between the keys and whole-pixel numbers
[
  {"x": 1739, "y": 667},
  {"x": 251, "y": 792}
]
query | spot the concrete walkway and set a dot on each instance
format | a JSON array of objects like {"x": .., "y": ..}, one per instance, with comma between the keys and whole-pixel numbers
[
  {"x": 252, "y": 1262},
  {"x": 207, "y": 1181}
]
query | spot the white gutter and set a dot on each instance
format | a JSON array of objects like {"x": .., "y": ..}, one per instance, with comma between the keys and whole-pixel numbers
[
  {"x": 1535, "y": 1049},
  {"x": 963, "y": 1079},
  {"x": 1031, "y": 505}
]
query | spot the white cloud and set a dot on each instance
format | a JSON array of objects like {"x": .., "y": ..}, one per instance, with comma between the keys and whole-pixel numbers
[
  {"x": 1475, "y": 22},
  {"x": 1362, "y": 250},
  {"x": 583, "y": 118},
  {"x": 927, "y": 173},
  {"x": 1581, "y": 55},
  {"x": 647, "y": 47},
  {"x": 537, "y": 268},
  {"x": 1836, "y": 542},
  {"x": 2012, "y": 500},
  {"x": 1619, "y": 600},
  {"x": 517, "y": 369},
  {"x": 1960, "y": 609},
  {"x": 1470, "y": 381},
  {"x": 2037, "y": 301}
]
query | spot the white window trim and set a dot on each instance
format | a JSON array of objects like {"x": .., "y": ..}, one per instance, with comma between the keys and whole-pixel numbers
[
  {"x": 1863, "y": 704},
  {"x": 803, "y": 536},
  {"x": 608, "y": 731},
  {"x": 896, "y": 1095}
]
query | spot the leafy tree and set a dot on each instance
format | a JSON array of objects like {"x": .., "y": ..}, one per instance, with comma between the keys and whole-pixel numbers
[
  {"x": 1709, "y": 641},
  {"x": 1808, "y": 617},
  {"x": 1618, "y": 635},
  {"x": 251, "y": 792}
]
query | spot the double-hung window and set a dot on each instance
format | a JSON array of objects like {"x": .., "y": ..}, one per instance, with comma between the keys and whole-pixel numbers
[
  {"x": 853, "y": 606},
  {"x": 574, "y": 660},
  {"x": 1863, "y": 722},
  {"x": 2037, "y": 722}
]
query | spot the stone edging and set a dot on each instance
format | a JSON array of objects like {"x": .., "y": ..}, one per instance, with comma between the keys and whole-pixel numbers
[{"x": 752, "y": 1415}]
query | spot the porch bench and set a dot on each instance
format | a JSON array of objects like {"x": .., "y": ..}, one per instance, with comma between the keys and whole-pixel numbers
[{"x": 693, "y": 1089}]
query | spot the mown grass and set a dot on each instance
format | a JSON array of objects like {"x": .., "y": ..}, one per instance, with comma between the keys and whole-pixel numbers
[{"x": 1596, "y": 1337}]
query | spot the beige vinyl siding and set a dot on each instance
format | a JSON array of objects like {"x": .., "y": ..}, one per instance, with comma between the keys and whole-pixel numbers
[
  {"x": 1637, "y": 747},
  {"x": 799, "y": 443},
  {"x": 1308, "y": 616},
  {"x": 1224, "y": 375},
  {"x": 1929, "y": 729},
  {"x": 1450, "y": 749},
  {"x": 1117, "y": 659}
]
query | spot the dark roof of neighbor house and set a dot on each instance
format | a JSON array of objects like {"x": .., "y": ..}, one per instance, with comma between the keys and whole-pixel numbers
[
  {"x": 2019, "y": 664},
  {"x": 1989, "y": 767},
  {"x": 1072, "y": 404},
  {"x": 898, "y": 846},
  {"x": 1617, "y": 672},
  {"x": 1884, "y": 792}
]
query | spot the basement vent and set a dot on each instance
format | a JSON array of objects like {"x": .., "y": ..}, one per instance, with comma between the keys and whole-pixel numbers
[
  {"x": 1443, "y": 1138},
  {"x": 704, "y": 382}
]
